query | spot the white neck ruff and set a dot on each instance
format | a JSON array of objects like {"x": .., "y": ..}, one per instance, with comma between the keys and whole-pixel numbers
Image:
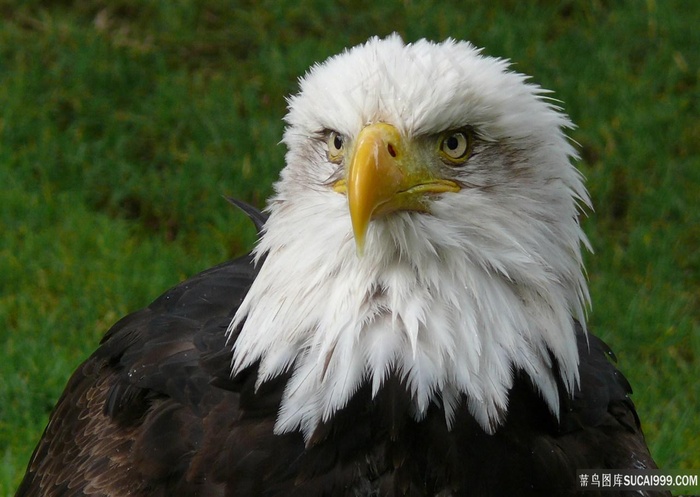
[{"x": 457, "y": 314}]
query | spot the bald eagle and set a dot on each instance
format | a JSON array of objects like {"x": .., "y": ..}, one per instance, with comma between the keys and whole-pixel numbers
[{"x": 410, "y": 323}]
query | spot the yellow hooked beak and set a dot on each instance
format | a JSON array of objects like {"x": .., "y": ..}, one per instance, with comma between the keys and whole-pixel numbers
[{"x": 384, "y": 177}]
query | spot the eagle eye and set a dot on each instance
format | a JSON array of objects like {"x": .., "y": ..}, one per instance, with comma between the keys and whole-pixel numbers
[
  {"x": 456, "y": 146},
  {"x": 336, "y": 146}
]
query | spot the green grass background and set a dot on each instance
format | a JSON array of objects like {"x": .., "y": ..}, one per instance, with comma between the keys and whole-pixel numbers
[{"x": 122, "y": 123}]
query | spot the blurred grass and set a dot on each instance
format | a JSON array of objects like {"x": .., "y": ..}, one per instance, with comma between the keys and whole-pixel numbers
[{"x": 122, "y": 123}]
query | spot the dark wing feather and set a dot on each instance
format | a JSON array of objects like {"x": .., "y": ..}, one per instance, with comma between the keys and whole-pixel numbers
[
  {"x": 258, "y": 218},
  {"x": 134, "y": 417}
]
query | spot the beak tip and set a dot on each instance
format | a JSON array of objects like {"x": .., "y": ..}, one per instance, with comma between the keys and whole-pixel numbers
[{"x": 360, "y": 245}]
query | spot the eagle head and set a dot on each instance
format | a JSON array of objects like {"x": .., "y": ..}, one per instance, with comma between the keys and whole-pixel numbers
[{"x": 425, "y": 226}]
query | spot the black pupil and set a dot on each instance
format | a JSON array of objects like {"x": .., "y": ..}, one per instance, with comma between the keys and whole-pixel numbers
[
  {"x": 452, "y": 143},
  {"x": 337, "y": 142}
]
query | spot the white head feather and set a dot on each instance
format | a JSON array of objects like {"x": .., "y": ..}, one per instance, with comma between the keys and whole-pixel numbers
[{"x": 452, "y": 301}]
